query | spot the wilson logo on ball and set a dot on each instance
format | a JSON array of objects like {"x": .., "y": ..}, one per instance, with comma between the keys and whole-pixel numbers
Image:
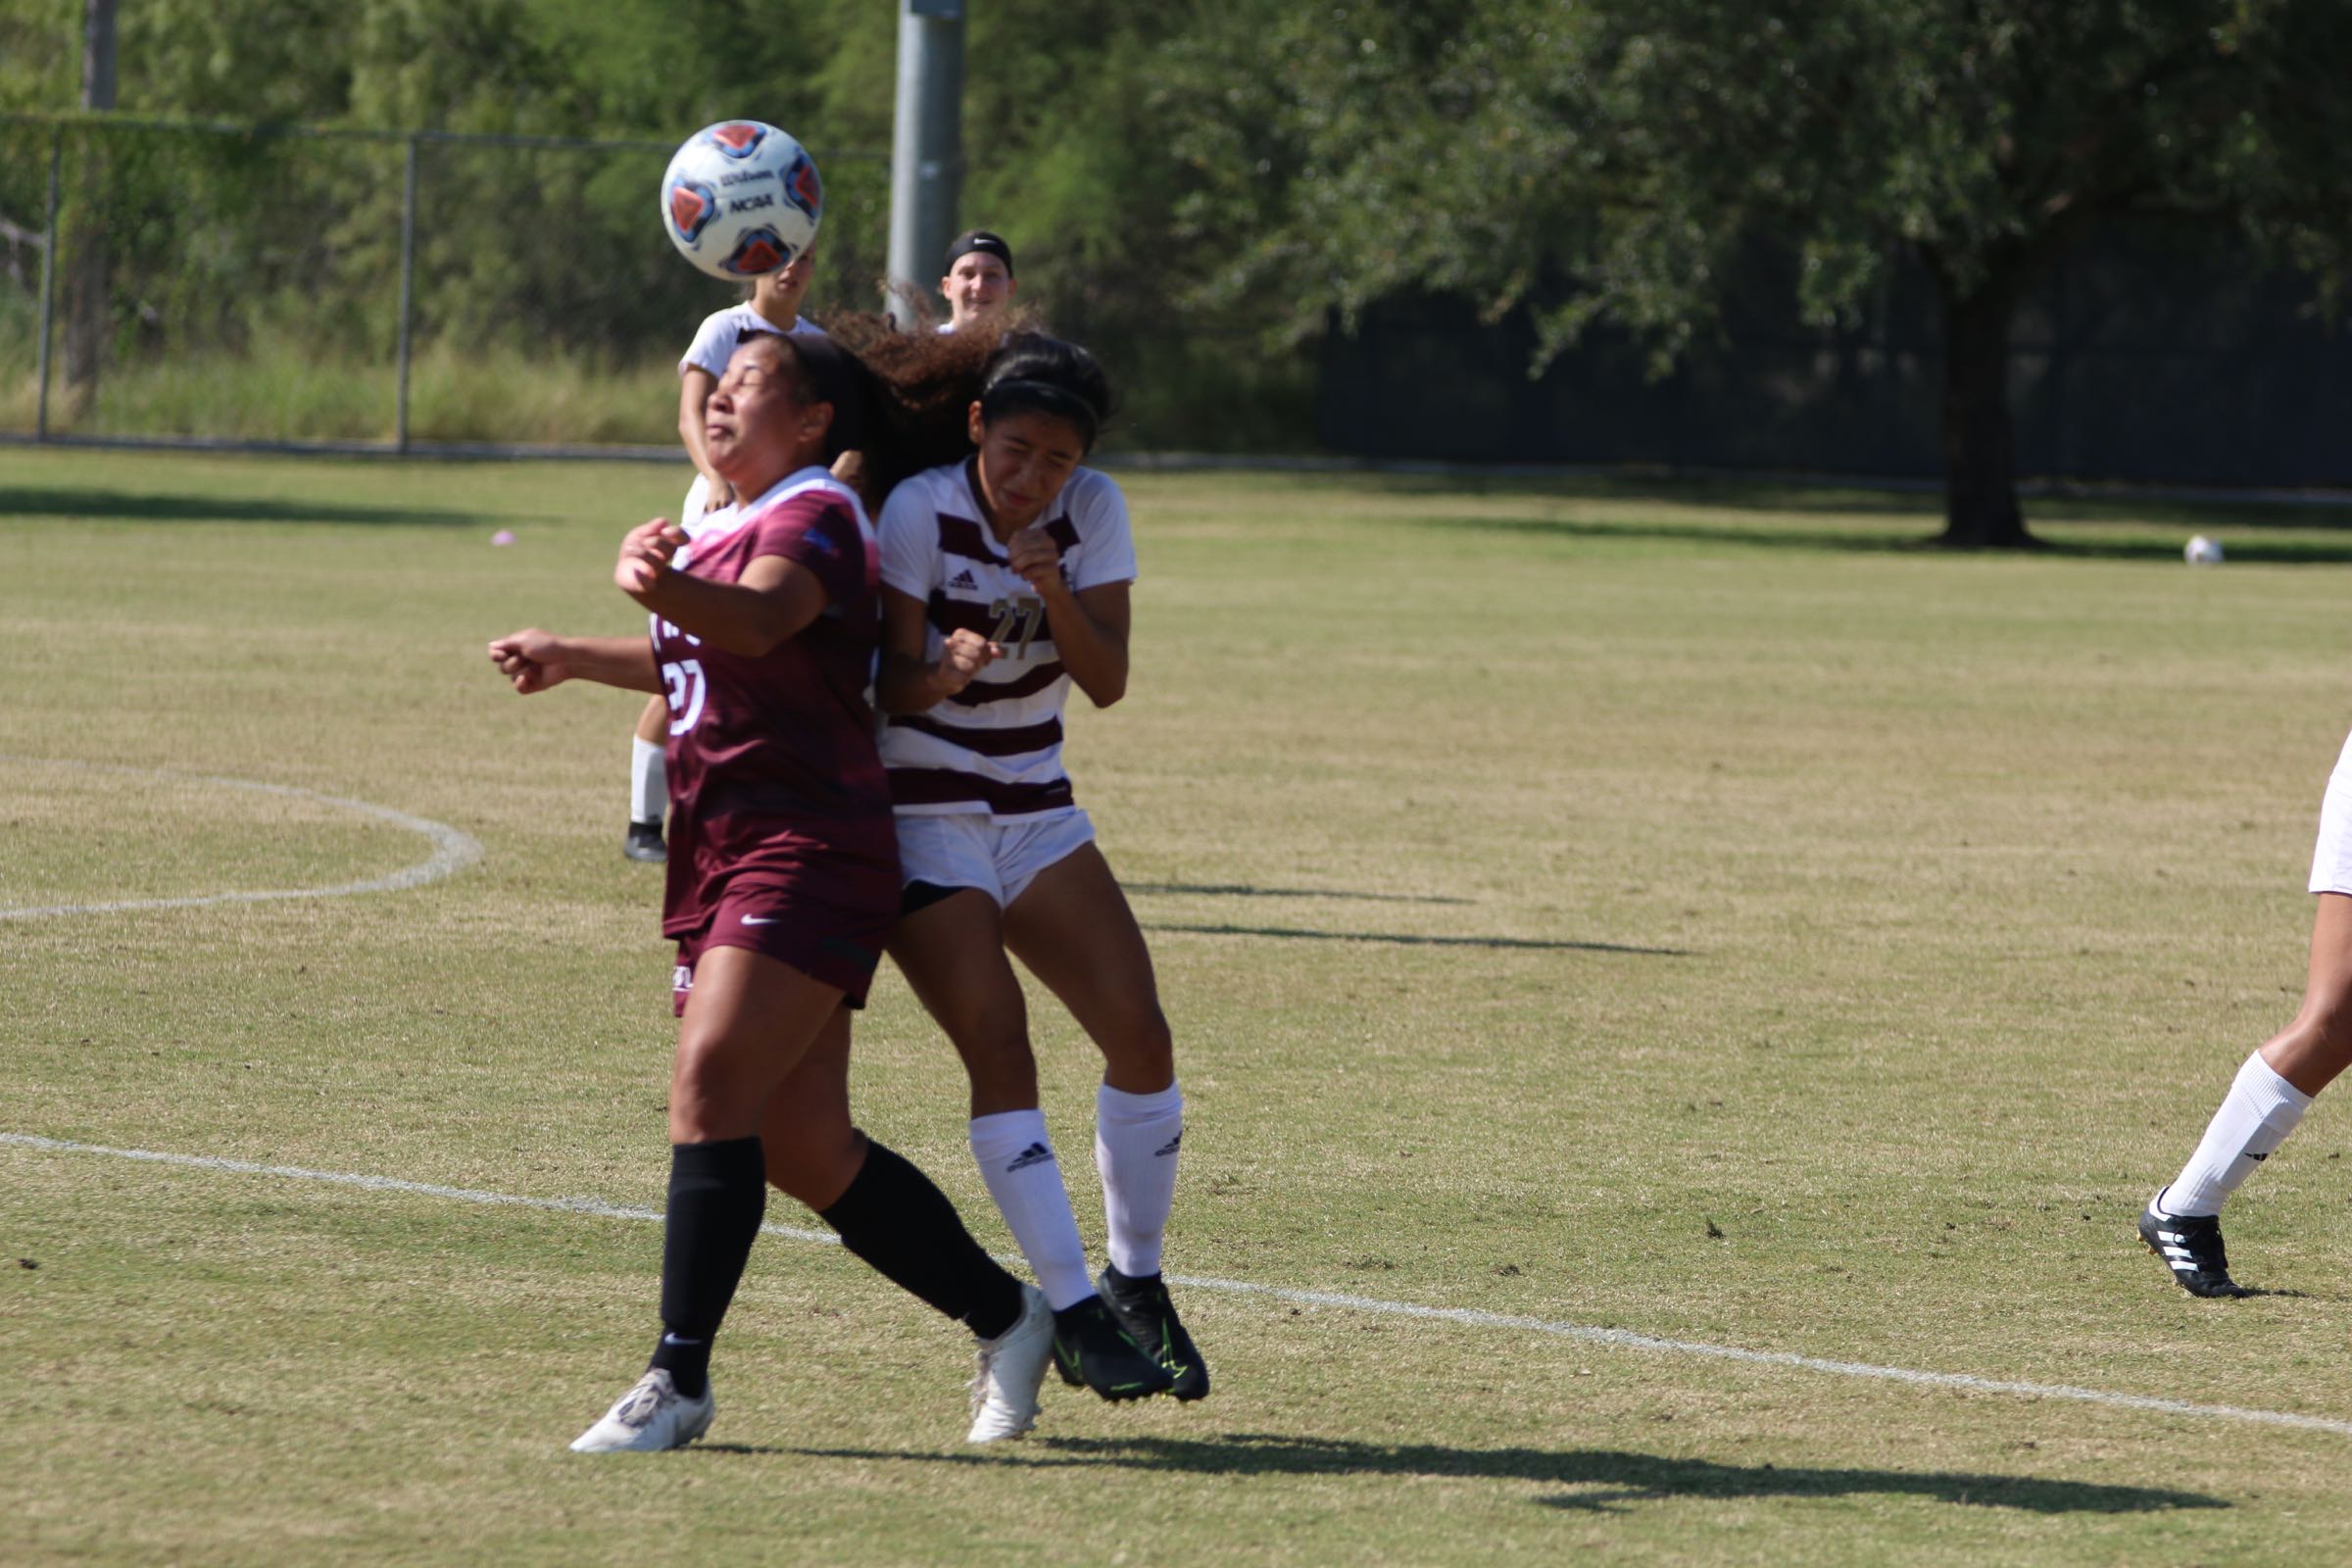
[
  {"x": 739, "y": 138},
  {"x": 741, "y": 198},
  {"x": 760, "y": 251},
  {"x": 692, "y": 206}
]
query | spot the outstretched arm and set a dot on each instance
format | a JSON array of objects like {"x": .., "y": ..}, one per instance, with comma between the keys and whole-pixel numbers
[{"x": 535, "y": 660}]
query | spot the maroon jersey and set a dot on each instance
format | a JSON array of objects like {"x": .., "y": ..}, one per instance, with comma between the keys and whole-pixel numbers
[{"x": 772, "y": 761}]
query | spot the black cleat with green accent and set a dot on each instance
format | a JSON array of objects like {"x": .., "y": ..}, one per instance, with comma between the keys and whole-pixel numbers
[
  {"x": 644, "y": 843},
  {"x": 1091, "y": 1349},
  {"x": 1143, "y": 1310}
]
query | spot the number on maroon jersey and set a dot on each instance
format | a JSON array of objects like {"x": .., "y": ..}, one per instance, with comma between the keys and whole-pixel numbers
[{"x": 684, "y": 687}]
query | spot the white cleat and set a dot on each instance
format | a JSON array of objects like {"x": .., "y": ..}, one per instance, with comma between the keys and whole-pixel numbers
[
  {"x": 649, "y": 1418},
  {"x": 1013, "y": 1367}
]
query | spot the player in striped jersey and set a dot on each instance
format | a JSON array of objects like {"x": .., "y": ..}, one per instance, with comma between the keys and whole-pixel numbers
[{"x": 1005, "y": 583}]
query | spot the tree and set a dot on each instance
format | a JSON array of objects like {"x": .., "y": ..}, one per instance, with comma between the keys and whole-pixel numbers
[{"x": 1613, "y": 159}]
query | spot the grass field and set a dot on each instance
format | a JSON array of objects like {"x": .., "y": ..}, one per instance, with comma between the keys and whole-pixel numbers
[{"x": 1696, "y": 913}]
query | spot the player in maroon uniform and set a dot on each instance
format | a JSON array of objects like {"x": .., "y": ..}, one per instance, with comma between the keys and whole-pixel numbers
[{"x": 782, "y": 885}]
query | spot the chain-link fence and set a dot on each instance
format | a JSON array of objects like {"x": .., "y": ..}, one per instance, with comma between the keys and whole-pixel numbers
[{"x": 294, "y": 287}]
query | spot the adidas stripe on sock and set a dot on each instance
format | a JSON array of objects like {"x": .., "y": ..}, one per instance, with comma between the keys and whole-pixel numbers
[
  {"x": 1017, "y": 1162},
  {"x": 2254, "y": 1119},
  {"x": 1136, "y": 1141}
]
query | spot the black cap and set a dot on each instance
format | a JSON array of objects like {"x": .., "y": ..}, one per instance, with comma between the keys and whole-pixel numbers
[{"x": 981, "y": 240}]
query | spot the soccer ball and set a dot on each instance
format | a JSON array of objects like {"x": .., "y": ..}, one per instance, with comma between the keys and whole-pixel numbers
[
  {"x": 2202, "y": 552},
  {"x": 741, "y": 198}
]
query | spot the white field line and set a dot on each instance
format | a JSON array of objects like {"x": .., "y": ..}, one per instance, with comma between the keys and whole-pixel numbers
[
  {"x": 1472, "y": 1317},
  {"x": 453, "y": 851}
]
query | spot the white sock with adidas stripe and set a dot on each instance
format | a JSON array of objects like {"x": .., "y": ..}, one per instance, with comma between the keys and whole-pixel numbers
[
  {"x": 2254, "y": 1117},
  {"x": 1016, "y": 1160},
  {"x": 1136, "y": 1139}
]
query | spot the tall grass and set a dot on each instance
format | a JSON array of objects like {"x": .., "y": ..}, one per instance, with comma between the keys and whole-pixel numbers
[
  {"x": 278, "y": 388},
  {"x": 1178, "y": 394}
]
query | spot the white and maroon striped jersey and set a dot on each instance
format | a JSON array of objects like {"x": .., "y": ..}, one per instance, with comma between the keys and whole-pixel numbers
[{"x": 996, "y": 746}]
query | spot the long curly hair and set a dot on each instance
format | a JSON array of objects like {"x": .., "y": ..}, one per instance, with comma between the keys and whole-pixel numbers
[{"x": 919, "y": 389}]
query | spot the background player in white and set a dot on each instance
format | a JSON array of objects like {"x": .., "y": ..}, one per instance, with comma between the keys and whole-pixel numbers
[
  {"x": 773, "y": 305},
  {"x": 979, "y": 283},
  {"x": 1005, "y": 582},
  {"x": 2277, "y": 1084}
]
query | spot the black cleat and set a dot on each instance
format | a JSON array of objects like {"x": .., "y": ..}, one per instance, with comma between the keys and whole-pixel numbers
[
  {"x": 1091, "y": 1349},
  {"x": 2192, "y": 1249},
  {"x": 1143, "y": 1309},
  {"x": 644, "y": 843}
]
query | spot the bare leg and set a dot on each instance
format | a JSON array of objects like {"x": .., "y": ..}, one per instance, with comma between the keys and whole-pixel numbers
[
  {"x": 1073, "y": 929},
  {"x": 953, "y": 955},
  {"x": 2311, "y": 1050},
  {"x": 812, "y": 1151},
  {"x": 749, "y": 1023}
]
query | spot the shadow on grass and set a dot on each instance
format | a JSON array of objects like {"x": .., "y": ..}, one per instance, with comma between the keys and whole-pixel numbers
[
  {"x": 1614, "y": 1477},
  {"x": 1923, "y": 502},
  {"x": 113, "y": 506},
  {"x": 2243, "y": 544},
  {"x": 1530, "y": 944},
  {"x": 1234, "y": 890}
]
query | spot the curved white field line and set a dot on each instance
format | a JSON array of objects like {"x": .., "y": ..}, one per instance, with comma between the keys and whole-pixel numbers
[
  {"x": 1471, "y": 1317},
  {"x": 453, "y": 851}
]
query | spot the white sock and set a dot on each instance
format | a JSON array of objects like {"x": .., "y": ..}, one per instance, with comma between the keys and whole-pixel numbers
[
  {"x": 2256, "y": 1115},
  {"x": 648, "y": 781},
  {"x": 1136, "y": 1137},
  {"x": 1016, "y": 1160}
]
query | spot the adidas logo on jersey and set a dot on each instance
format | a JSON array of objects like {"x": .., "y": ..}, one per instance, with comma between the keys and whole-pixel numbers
[
  {"x": 1034, "y": 1154},
  {"x": 964, "y": 579}
]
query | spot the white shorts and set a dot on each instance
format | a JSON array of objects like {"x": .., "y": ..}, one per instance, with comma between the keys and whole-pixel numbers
[
  {"x": 969, "y": 849},
  {"x": 2331, "y": 860}
]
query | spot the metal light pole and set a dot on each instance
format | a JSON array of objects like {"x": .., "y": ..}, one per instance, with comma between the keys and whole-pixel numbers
[
  {"x": 926, "y": 145},
  {"x": 86, "y": 249}
]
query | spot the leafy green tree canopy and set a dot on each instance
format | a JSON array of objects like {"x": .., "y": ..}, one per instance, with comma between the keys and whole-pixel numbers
[{"x": 1610, "y": 159}]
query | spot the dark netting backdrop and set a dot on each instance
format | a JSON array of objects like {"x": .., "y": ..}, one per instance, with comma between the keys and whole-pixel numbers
[{"x": 2158, "y": 354}]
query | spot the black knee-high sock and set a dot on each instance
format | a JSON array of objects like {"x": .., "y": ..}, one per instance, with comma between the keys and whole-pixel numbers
[
  {"x": 717, "y": 1194},
  {"x": 908, "y": 1231}
]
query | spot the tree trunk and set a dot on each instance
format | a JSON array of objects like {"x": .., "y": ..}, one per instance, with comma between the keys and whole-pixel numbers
[{"x": 1980, "y": 448}]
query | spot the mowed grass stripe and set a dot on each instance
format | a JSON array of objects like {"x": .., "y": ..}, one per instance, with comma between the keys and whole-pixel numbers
[{"x": 1473, "y": 1317}]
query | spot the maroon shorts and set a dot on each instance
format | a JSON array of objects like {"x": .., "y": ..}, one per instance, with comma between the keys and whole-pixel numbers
[{"x": 826, "y": 917}]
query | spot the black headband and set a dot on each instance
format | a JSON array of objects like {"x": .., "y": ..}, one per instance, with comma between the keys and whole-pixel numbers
[
  {"x": 987, "y": 244},
  {"x": 1049, "y": 397}
]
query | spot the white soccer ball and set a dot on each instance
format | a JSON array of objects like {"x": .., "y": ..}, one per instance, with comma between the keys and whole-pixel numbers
[
  {"x": 2202, "y": 552},
  {"x": 741, "y": 198}
]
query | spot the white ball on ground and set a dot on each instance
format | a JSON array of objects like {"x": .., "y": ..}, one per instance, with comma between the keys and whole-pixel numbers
[{"x": 2202, "y": 552}]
